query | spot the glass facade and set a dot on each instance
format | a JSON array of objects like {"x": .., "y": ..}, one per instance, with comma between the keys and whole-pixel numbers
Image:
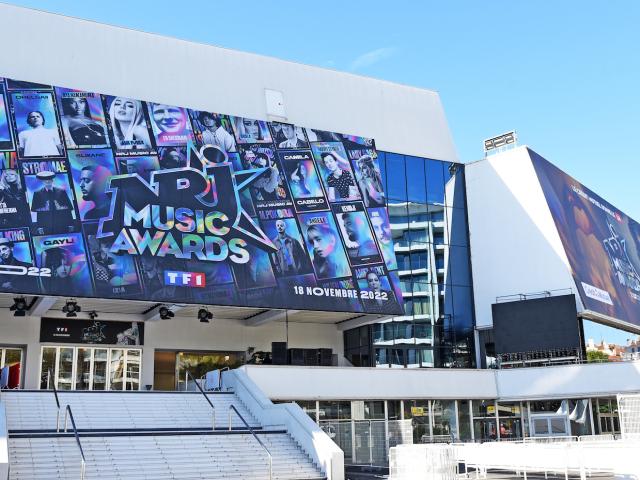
[
  {"x": 365, "y": 430},
  {"x": 428, "y": 218}
]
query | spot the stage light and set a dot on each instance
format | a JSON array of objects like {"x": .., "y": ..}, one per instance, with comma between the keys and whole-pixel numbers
[
  {"x": 71, "y": 308},
  {"x": 19, "y": 307},
  {"x": 165, "y": 313},
  {"x": 93, "y": 314},
  {"x": 204, "y": 315}
]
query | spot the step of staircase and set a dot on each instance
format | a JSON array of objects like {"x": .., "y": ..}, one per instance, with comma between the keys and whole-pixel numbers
[
  {"x": 36, "y": 410},
  {"x": 145, "y": 435},
  {"x": 235, "y": 456}
]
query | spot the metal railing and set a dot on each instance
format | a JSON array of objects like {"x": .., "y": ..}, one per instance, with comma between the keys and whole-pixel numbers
[
  {"x": 234, "y": 409},
  {"x": 83, "y": 462},
  {"x": 188, "y": 375},
  {"x": 222, "y": 370},
  {"x": 55, "y": 394},
  {"x": 554, "y": 362}
]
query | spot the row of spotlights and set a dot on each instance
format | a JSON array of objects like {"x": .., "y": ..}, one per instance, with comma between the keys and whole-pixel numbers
[{"x": 71, "y": 308}]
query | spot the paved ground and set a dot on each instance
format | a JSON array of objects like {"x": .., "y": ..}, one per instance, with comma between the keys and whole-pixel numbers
[
  {"x": 379, "y": 474},
  {"x": 509, "y": 476}
]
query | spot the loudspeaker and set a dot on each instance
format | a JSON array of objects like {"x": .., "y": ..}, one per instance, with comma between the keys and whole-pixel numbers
[
  {"x": 279, "y": 353},
  {"x": 296, "y": 356},
  {"x": 311, "y": 357},
  {"x": 325, "y": 355}
]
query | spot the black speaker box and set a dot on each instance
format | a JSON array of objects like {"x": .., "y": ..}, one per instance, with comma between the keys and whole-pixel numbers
[
  {"x": 296, "y": 356},
  {"x": 325, "y": 355},
  {"x": 311, "y": 357},
  {"x": 279, "y": 353}
]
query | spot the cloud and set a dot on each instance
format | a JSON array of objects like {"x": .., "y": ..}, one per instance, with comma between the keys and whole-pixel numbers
[{"x": 371, "y": 58}]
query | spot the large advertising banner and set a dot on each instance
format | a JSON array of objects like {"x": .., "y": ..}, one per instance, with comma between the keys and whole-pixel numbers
[
  {"x": 601, "y": 242},
  {"x": 114, "y": 197}
]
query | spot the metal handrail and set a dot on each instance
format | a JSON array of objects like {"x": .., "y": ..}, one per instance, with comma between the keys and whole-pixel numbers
[
  {"x": 231, "y": 407},
  {"x": 55, "y": 393},
  {"x": 186, "y": 386},
  {"x": 222, "y": 370},
  {"x": 83, "y": 460}
]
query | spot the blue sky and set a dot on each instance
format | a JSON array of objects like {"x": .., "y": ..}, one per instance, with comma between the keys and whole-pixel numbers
[{"x": 564, "y": 74}]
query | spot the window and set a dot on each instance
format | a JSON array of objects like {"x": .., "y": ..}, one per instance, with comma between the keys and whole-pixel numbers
[
  {"x": 419, "y": 260},
  {"x": 420, "y": 235},
  {"x": 396, "y": 177},
  {"x": 397, "y": 358},
  {"x": 338, "y": 410},
  {"x": 90, "y": 368},
  {"x": 445, "y": 421},
  {"x": 309, "y": 407},
  {"x": 382, "y": 357}
]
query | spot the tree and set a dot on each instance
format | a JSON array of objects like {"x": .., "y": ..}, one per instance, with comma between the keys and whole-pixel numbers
[{"x": 597, "y": 356}]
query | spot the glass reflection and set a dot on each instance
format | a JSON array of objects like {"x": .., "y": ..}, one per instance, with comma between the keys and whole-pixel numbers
[{"x": 429, "y": 229}]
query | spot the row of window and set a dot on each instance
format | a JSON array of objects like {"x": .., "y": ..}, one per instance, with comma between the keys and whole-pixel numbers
[
  {"x": 452, "y": 230},
  {"x": 421, "y": 180}
]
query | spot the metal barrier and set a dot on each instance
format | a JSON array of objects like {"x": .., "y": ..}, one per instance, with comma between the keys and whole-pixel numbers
[{"x": 564, "y": 458}]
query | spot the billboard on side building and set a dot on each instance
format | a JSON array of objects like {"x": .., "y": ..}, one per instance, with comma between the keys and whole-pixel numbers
[
  {"x": 601, "y": 243},
  {"x": 113, "y": 197}
]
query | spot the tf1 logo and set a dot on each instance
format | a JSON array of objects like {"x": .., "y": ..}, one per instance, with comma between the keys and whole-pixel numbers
[{"x": 185, "y": 279}]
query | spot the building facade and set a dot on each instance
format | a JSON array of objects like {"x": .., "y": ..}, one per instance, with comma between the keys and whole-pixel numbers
[{"x": 474, "y": 246}]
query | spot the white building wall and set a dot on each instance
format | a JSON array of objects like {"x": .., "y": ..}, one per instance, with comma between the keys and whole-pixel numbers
[
  {"x": 357, "y": 383},
  {"x": 569, "y": 381},
  {"x": 69, "y": 52},
  {"x": 179, "y": 333},
  {"x": 515, "y": 246},
  {"x": 566, "y": 381},
  {"x": 182, "y": 333}
]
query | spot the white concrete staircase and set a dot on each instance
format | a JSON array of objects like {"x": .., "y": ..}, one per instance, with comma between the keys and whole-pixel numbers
[
  {"x": 36, "y": 410},
  {"x": 145, "y": 435}
]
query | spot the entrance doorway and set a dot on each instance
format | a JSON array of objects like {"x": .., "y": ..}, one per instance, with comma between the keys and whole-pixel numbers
[
  {"x": 11, "y": 367},
  {"x": 170, "y": 367},
  {"x": 90, "y": 368}
]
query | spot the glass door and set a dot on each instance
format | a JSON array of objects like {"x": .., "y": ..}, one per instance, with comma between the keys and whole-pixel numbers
[
  {"x": 83, "y": 368},
  {"x": 11, "y": 359},
  {"x": 132, "y": 379},
  {"x": 99, "y": 369},
  {"x": 89, "y": 368},
  {"x": 117, "y": 370},
  {"x": 48, "y": 364},
  {"x": 64, "y": 369}
]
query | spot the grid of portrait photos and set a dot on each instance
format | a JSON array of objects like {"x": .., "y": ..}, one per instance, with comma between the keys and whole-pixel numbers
[{"x": 319, "y": 200}]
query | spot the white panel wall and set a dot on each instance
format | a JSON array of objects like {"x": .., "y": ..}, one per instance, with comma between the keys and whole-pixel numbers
[
  {"x": 64, "y": 51},
  {"x": 515, "y": 246},
  {"x": 356, "y": 383},
  {"x": 569, "y": 381},
  {"x": 566, "y": 381}
]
